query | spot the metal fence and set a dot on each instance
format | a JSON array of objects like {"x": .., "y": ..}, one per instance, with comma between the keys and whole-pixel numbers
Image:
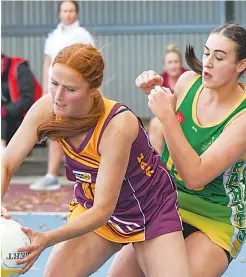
[{"x": 132, "y": 35}]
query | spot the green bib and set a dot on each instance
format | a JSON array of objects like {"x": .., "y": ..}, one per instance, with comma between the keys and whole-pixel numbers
[{"x": 223, "y": 199}]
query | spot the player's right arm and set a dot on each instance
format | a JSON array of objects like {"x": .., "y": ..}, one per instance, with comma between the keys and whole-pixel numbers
[
  {"x": 24, "y": 139},
  {"x": 147, "y": 81}
]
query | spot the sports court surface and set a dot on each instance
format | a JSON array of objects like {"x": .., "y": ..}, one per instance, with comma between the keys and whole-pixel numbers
[{"x": 45, "y": 211}]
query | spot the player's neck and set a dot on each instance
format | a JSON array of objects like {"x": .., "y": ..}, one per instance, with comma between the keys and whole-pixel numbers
[{"x": 230, "y": 92}]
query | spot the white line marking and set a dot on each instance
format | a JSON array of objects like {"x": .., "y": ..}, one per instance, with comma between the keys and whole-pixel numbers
[{"x": 38, "y": 213}]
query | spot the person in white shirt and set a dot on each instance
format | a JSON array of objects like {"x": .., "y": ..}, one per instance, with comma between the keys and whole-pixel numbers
[{"x": 68, "y": 32}]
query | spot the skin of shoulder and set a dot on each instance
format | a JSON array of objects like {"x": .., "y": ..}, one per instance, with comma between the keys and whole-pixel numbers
[
  {"x": 26, "y": 136},
  {"x": 42, "y": 108},
  {"x": 182, "y": 85},
  {"x": 124, "y": 125}
]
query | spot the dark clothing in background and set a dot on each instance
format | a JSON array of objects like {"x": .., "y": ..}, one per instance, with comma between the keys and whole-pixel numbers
[
  {"x": 9, "y": 126},
  {"x": 14, "y": 111}
]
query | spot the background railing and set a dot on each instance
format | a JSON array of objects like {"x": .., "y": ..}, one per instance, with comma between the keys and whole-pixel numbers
[{"x": 132, "y": 35}]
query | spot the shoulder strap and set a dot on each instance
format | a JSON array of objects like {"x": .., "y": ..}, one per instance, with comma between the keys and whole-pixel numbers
[{"x": 121, "y": 111}]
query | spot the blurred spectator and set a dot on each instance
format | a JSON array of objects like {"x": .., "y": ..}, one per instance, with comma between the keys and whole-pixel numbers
[
  {"x": 19, "y": 91},
  {"x": 68, "y": 32},
  {"x": 172, "y": 62}
]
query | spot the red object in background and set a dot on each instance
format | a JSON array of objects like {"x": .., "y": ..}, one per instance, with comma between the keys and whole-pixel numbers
[
  {"x": 12, "y": 79},
  {"x": 14, "y": 89},
  {"x": 3, "y": 112}
]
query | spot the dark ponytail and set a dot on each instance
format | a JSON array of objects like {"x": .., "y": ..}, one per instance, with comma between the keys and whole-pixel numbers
[{"x": 194, "y": 63}]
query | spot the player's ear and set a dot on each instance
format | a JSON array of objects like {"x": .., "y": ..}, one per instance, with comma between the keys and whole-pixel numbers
[{"x": 241, "y": 66}]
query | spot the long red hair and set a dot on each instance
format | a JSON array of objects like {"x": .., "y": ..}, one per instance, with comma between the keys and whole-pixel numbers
[{"x": 86, "y": 60}]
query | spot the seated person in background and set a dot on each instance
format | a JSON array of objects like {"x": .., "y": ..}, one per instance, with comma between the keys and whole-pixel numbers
[
  {"x": 19, "y": 90},
  {"x": 172, "y": 62}
]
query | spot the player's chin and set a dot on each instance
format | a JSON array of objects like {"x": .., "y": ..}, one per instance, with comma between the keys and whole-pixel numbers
[
  {"x": 208, "y": 83},
  {"x": 60, "y": 112},
  {"x": 213, "y": 85}
]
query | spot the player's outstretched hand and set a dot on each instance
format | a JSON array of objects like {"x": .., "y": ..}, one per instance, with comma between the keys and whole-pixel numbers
[
  {"x": 37, "y": 246},
  {"x": 4, "y": 213}
]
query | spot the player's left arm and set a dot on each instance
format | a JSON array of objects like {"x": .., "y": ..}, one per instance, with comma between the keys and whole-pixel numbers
[{"x": 197, "y": 171}]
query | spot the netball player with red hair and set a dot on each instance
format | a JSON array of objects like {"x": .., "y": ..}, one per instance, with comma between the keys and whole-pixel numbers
[{"x": 123, "y": 192}]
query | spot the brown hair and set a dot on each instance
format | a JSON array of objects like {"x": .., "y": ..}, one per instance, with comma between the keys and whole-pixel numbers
[
  {"x": 74, "y": 2},
  {"x": 232, "y": 31},
  {"x": 86, "y": 60}
]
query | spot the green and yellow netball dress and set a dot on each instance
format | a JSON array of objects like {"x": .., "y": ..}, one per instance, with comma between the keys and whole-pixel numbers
[{"x": 218, "y": 209}]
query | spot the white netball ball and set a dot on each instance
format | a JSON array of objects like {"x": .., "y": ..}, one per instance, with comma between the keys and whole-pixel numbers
[{"x": 12, "y": 238}]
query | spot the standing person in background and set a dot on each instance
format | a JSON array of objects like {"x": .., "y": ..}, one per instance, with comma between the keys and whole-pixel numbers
[
  {"x": 67, "y": 32},
  {"x": 172, "y": 62}
]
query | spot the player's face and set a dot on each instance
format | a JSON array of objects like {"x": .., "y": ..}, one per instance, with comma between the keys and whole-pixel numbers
[
  {"x": 71, "y": 94},
  {"x": 172, "y": 64},
  {"x": 219, "y": 61},
  {"x": 68, "y": 13}
]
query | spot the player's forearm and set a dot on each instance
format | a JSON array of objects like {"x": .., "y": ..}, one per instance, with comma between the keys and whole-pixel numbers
[
  {"x": 186, "y": 160},
  {"x": 83, "y": 224}
]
